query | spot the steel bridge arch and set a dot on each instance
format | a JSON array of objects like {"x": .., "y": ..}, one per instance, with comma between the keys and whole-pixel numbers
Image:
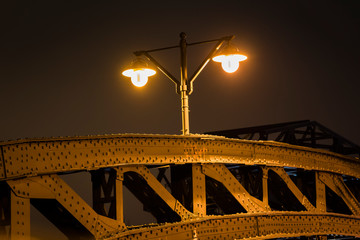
[{"x": 29, "y": 171}]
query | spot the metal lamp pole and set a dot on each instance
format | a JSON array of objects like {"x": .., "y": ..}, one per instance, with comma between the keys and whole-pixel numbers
[{"x": 184, "y": 87}]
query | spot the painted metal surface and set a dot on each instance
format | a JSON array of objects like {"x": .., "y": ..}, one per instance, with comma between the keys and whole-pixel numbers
[
  {"x": 246, "y": 226},
  {"x": 30, "y": 169},
  {"x": 26, "y": 158}
]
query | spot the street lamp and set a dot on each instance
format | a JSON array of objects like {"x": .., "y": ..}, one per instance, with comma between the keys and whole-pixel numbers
[
  {"x": 229, "y": 57},
  {"x": 139, "y": 72},
  {"x": 223, "y": 52}
]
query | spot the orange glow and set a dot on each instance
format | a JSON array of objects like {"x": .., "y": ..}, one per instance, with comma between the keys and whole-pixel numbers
[
  {"x": 230, "y": 63},
  {"x": 139, "y": 77},
  {"x": 229, "y": 57}
]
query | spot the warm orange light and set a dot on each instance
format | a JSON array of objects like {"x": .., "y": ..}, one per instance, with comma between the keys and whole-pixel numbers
[
  {"x": 139, "y": 77},
  {"x": 229, "y": 58},
  {"x": 139, "y": 72}
]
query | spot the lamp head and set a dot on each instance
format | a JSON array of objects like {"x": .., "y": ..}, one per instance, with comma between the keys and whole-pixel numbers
[
  {"x": 229, "y": 57},
  {"x": 139, "y": 72}
]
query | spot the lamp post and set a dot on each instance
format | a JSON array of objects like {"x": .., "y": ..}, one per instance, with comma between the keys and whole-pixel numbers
[{"x": 222, "y": 52}]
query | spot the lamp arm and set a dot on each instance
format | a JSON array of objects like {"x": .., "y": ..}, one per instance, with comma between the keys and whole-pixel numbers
[
  {"x": 205, "y": 62},
  {"x": 219, "y": 41},
  {"x": 227, "y": 38},
  {"x": 160, "y": 67}
]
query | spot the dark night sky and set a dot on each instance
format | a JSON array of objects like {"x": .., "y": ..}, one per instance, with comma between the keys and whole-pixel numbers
[{"x": 61, "y": 63}]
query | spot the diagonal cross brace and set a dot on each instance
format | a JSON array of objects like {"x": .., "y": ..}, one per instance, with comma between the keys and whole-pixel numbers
[
  {"x": 53, "y": 187},
  {"x": 159, "y": 189},
  {"x": 220, "y": 173}
]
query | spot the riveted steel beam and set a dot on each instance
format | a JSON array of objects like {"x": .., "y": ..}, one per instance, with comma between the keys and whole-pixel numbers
[
  {"x": 220, "y": 173},
  {"x": 336, "y": 183},
  {"x": 45, "y": 156},
  {"x": 293, "y": 188},
  {"x": 250, "y": 226},
  {"x": 159, "y": 189},
  {"x": 28, "y": 166},
  {"x": 265, "y": 178},
  {"x": 199, "y": 191},
  {"x": 320, "y": 193},
  {"x": 53, "y": 187},
  {"x": 119, "y": 199},
  {"x": 20, "y": 217}
]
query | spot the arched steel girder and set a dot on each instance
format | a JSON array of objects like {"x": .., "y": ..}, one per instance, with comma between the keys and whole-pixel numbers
[
  {"x": 33, "y": 157},
  {"x": 29, "y": 167},
  {"x": 251, "y": 226}
]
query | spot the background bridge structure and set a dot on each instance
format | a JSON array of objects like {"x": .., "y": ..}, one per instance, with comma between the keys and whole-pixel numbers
[{"x": 289, "y": 180}]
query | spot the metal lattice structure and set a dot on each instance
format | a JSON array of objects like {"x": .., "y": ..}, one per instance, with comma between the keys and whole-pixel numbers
[
  {"x": 303, "y": 133},
  {"x": 196, "y": 187}
]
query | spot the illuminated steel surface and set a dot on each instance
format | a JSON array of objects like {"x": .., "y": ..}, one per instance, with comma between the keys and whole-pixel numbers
[{"x": 219, "y": 188}]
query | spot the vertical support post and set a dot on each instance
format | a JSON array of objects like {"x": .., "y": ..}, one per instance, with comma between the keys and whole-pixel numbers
[
  {"x": 320, "y": 194},
  {"x": 265, "y": 185},
  {"x": 184, "y": 86},
  {"x": 199, "y": 191},
  {"x": 20, "y": 218},
  {"x": 119, "y": 196}
]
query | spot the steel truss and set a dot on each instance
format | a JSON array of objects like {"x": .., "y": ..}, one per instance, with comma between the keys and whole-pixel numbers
[
  {"x": 207, "y": 187},
  {"x": 303, "y": 133}
]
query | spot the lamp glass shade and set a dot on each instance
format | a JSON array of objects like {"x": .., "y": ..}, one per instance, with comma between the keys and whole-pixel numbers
[
  {"x": 229, "y": 57},
  {"x": 230, "y": 63},
  {"x": 139, "y": 72},
  {"x": 139, "y": 77}
]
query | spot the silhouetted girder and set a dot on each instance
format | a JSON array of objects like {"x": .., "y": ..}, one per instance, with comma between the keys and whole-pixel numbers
[
  {"x": 263, "y": 130},
  {"x": 303, "y": 133},
  {"x": 335, "y": 204},
  {"x": 181, "y": 184},
  {"x": 147, "y": 196},
  {"x": 62, "y": 219},
  {"x": 353, "y": 184},
  {"x": 250, "y": 178},
  {"x": 4, "y": 207},
  {"x": 305, "y": 181},
  {"x": 103, "y": 181},
  {"x": 161, "y": 175},
  {"x": 221, "y": 201},
  {"x": 280, "y": 197}
]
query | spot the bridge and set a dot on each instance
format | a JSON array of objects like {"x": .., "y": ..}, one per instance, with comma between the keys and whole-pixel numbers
[{"x": 289, "y": 180}]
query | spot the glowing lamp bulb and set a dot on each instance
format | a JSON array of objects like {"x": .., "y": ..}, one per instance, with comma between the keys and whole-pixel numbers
[
  {"x": 230, "y": 63},
  {"x": 139, "y": 77},
  {"x": 229, "y": 57}
]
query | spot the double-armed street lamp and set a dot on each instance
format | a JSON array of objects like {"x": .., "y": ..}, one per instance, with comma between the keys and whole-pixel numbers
[{"x": 223, "y": 52}]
